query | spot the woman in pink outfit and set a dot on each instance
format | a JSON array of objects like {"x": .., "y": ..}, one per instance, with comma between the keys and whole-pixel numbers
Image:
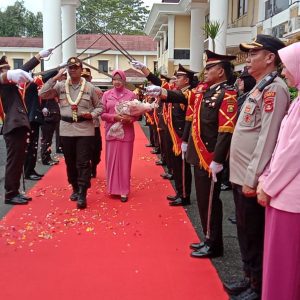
[
  {"x": 118, "y": 150},
  {"x": 279, "y": 191}
]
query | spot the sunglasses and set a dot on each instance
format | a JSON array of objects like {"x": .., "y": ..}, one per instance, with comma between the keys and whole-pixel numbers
[{"x": 74, "y": 67}]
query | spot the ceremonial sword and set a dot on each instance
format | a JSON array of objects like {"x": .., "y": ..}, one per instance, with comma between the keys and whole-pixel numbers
[
  {"x": 183, "y": 175},
  {"x": 210, "y": 199},
  {"x": 65, "y": 65}
]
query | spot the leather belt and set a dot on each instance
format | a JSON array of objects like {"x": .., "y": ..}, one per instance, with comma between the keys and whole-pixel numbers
[{"x": 70, "y": 119}]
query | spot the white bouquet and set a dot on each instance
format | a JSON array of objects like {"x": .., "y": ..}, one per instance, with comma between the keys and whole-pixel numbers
[{"x": 133, "y": 108}]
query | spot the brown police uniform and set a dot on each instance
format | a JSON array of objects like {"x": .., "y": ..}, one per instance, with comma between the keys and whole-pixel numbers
[
  {"x": 252, "y": 145},
  {"x": 76, "y": 132}
]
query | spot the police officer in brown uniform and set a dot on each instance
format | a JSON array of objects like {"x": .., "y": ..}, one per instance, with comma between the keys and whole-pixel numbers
[
  {"x": 208, "y": 136},
  {"x": 252, "y": 145},
  {"x": 15, "y": 131},
  {"x": 79, "y": 104}
]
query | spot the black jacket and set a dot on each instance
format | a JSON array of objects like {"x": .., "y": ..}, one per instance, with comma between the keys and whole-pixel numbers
[{"x": 13, "y": 106}]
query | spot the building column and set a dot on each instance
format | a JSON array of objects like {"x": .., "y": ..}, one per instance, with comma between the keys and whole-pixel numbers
[
  {"x": 69, "y": 27},
  {"x": 52, "y": 31},
  {"x": 171, "y": 36},
  {"x": 161, "y": 46},
  {"x": 218, "y": 11},
  {"x": 117, "y": 62},
  {"x": 197, "y": 39}
]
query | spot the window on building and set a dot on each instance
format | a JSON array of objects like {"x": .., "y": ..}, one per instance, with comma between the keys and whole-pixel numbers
[
  {"x": 273, "y": 7},
  {"x": 278, "y": 31},
  {"x": 280, "y": 5},
  {"x": 243, "y": 7},
  {"x": 18, "y": 63},
  {"x": 181, "y": 53},
  {"x": 103, "y": 66}
]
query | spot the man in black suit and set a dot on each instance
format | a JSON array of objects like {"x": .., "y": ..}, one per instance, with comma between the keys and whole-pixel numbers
[
  {"x": 30, "y": 94},
  {"x": 15, "y": 131},
  {"x": 206, "y": 142}
]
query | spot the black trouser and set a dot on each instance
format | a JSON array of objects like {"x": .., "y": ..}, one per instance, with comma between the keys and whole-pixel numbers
[
  {"x": 151, "y": 135},
  {"x": 97, "y": 148},
  {"x": 155, "y": 136},
  {"x": 48, "y": 129},
  {"x": 32, "y": 149},
  {"x": 162, "y": 144},
  {"x": 78, "y": 151},
  {"x": 178, "y": 175},
  {"x": 203, "y": 186},
  {"x": 16, "y": 144},
  {"x": 169, "y": 151},
  {"x": 57, "y": 138},
  {"x": 250, "y": 222},
  {"x": 225, "y": 176}
]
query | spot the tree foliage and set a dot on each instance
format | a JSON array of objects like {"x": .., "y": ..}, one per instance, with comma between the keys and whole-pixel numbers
[
  {"x": 94, "y": 16},
  {"x": 17, "y": 21},
  {"x": 113, "y": 16},
  {"x": 212, "y": 29}
]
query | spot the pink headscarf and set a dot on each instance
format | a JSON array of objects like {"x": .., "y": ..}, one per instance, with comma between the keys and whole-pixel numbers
[
  {"x": 119, "y": 72},
  {"x": 290, "y": 56}
]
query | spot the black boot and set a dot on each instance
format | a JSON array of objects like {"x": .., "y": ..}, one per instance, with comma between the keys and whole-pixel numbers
[
  {"x": 180, "y": 201},
  {"x": 74, "y": 195},
  {"x": 81, "y": 200}
]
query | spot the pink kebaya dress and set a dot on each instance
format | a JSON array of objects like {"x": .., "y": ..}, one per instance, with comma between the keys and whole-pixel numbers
[
  {"x": 118, "y": 151},
  {"x": 281, "y": 181}
]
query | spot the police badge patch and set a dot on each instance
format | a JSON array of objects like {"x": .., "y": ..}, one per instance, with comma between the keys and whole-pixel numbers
[{"x": 269, "y": 101}]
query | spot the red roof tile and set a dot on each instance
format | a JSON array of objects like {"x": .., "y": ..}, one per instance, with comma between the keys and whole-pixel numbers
[{"x": 129, "y": 42}]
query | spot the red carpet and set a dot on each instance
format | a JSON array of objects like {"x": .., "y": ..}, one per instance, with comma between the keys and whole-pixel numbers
[{"x": 112, "y": 250}]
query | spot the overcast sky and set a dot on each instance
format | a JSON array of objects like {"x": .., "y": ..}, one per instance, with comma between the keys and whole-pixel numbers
[{"x": 37, "y": 5}]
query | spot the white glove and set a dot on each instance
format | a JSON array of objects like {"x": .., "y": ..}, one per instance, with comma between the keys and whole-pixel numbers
[
  {"x": 215, "y": 168},
  {"x": 153, "y": 90},
  {"x": 18, "y": 76},
  {"x": 45, "y": 52},
  {"x": 183, "y": 149},
  {"x": 138, "y": 65},
  {"x": 183, "y": 146},
  {"x": 45, "y": 111}
]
